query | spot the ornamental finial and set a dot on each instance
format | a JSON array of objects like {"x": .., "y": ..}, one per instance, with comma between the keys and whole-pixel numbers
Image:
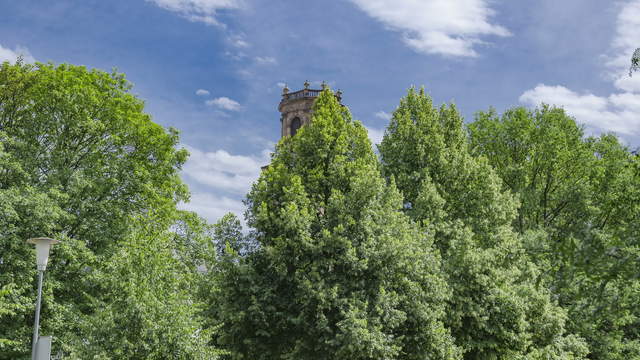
[{"x": 306, "y": 84}]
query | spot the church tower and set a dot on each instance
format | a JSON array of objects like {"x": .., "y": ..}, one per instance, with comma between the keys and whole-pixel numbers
[{"x": 296, "y": 107}]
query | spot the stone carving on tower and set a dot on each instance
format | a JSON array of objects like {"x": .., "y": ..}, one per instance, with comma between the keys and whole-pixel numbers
[{"x": 296, "y": 107}]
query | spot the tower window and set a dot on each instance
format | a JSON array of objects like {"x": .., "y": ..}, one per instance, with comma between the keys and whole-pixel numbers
[{"x": 295, "y": 125}]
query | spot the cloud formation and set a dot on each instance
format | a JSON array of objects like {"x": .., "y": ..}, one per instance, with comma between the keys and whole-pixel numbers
[
  {"x": 383, "y": 115},
  {"x": 202, "y": 92},
  {"x": 238, "y": 40},
  {"x": 222, "y": 179},
  {"x": 11, "y": 56},
  {"x": 266, "y": 60},
  {"x": 618, "y": 112},
  {"x": 443, "y": 27},
  {"x": 626, "y": 40},
  {"x": 204, "y": 11},
  {"x": 223, "y": 171},
  {"x": 224, "y": 103},
  {"x": 375, "y": 135}
]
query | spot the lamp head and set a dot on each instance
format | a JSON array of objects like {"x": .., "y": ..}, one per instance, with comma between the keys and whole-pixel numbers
[{"x": 42, "y": 250}]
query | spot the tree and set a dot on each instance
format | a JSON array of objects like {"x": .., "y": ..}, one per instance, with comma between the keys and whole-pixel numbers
[
  {"x": 79, "y": 159},
  {"x": 497, "y": 311},
  {"x": 542, "y": 158},
  {"x": 635, "y": 62},
  {"x": 579, "y": 211},
  {"x": 339, "y": 272},
  {"x": 150, "y": 315}
]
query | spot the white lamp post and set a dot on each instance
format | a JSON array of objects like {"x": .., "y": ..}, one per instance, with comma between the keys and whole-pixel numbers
[{"x": 42, "y": 257}]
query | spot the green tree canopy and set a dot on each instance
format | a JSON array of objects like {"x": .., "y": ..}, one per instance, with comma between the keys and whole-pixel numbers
[
  {"x": 497, "y": 311},
  {"x": 146, "y": 309},
  {"x": 79, "y": 159},
  {"x": 340, "y": 272},
  {"x": 580, "y": 211}
]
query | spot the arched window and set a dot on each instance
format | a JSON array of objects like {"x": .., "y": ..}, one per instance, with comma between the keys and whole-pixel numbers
[{"x": 295, "y": 125}]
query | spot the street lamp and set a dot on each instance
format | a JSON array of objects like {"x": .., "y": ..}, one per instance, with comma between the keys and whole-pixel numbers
[{"x": 42, "y": 257}]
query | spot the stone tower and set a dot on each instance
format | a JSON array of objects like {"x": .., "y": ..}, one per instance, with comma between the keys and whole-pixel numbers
[{"x": 296, "y": 108}]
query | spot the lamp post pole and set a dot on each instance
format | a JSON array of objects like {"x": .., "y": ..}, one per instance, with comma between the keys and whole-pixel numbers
[
  {"x": 42, "y": 257},
  {"x": 36, "y": 325}
]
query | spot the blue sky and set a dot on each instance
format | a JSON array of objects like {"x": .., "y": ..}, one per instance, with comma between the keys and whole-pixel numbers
[{"x": 214, "y": 68}]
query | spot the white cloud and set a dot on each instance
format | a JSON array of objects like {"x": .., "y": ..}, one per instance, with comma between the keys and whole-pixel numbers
[
  {"x": 199, "y": 10},
  {"x": 617, "y": 112},
  {"x": 212, "y": 207},
  {"x": 281, "y": 85},
  {"x": 224, "y": 103},
  {"x": 222, "y": 180},
  {"x": 626, "y": 40},
  {"x": 202, "y": 92},
  {"x": 238, "y": 41},
  {"x": 375, "y": 135},
  {"x": 245, "y": 74},
  {"x": 626, "y": 100},
  {"x": 235, "y": 55},
  {"x": 383, "y": 115},
  {"x": 266, "y": 60},
  {"x": 11, "y": 56},
  {"x": 444, "y": 27},
  {"x": 223, "y": 171}
]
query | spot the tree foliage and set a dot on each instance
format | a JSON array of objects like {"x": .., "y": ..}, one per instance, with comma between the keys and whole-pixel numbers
[
  {"x": 497, "y": 311},
  {"x": 580, "y": 211},
  {"x": 152, "y": 313},
  {"x": 514, "y": 239},
  {"x": 340, "y": 272},
  {"x": 635, "y": 62},
  {"x": 79, "y": 159}
]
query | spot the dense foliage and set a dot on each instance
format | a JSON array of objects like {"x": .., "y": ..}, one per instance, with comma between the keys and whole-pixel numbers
[
  {"x": 515, "y": 237},
  {"x": 498, "y": 310},
  {"x": 340, "y": 272},
  {"x": 580, "y": 215},
  {"x": 80, "y": 161}
]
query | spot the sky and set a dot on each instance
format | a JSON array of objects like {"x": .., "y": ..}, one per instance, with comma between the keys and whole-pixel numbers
[{"x": 214, "y": 69}]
